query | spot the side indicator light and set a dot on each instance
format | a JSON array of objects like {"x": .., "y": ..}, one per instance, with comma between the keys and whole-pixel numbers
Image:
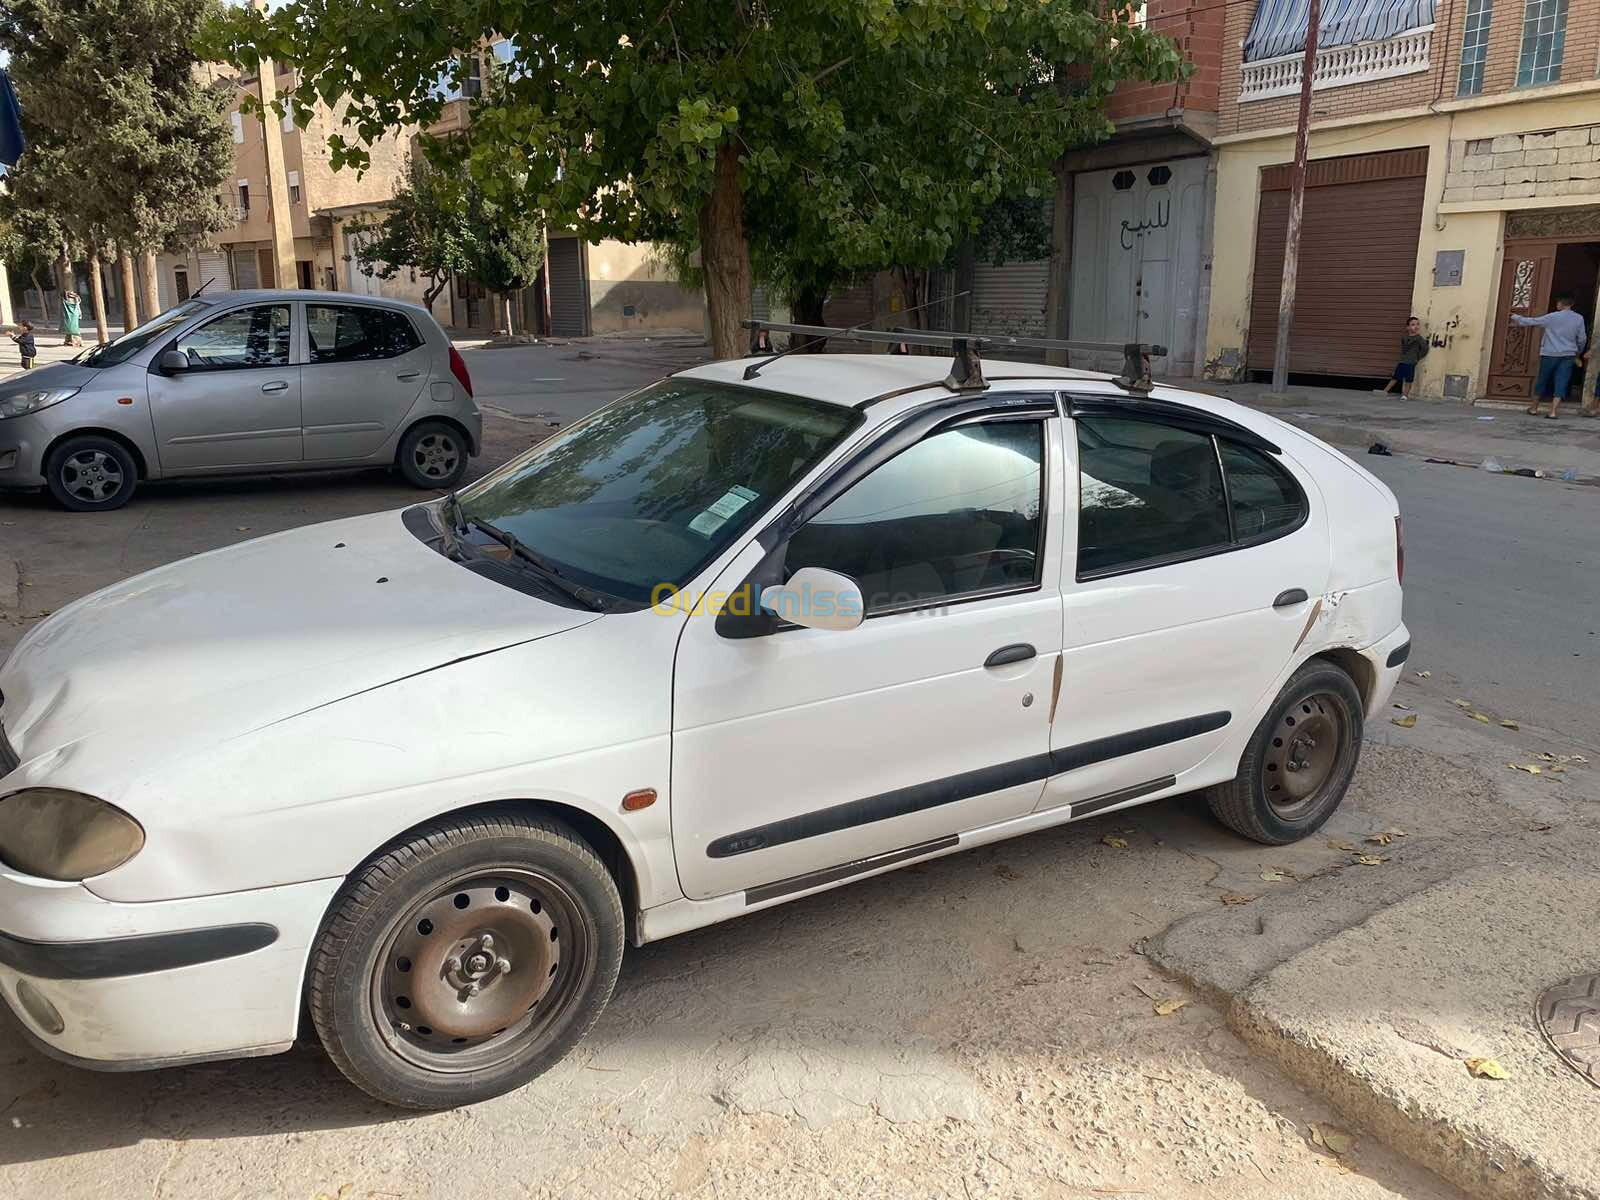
[
  {"x": 124, "y": 399},
  {"x": 635, "y": 800}
]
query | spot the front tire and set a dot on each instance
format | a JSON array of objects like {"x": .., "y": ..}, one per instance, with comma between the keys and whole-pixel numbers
[
  {"x": 465, "y": 962},
  {"x": 1299, "y": 762},
  {"x": 433, "y": 455},
  {"x": 91, "y": 473}
]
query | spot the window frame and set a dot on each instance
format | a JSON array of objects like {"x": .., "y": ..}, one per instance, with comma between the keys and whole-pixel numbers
[
  {"x": 1558, "y": 46},
  {"x": 1218, "y": 432},
  {"x": 305, "y": 317},
  {"x": 1478, "y": 47},
  {"x": 223, "y": 316}
]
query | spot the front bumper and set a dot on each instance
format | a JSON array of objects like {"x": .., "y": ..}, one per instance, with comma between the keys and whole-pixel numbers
[
  {"x": 22, "y": 446},
  {"x": 129, "y": 986}
]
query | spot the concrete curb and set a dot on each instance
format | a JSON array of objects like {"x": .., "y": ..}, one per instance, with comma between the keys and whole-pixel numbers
[{"x": 1240, "y": 958}]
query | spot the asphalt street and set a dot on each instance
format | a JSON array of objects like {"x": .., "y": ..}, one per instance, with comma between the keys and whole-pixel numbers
[{"x": 561, "y": 381}]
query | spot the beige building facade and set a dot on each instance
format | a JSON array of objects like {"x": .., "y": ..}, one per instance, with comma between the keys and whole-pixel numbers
[{"x": 1455, "y": 175}]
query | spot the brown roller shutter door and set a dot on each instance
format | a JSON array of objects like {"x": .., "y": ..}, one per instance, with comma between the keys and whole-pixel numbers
[{"x": 1358, "y": 259}]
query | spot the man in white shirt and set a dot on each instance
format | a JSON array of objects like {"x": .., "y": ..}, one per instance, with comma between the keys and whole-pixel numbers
[{"x": 1565, "y": 338}]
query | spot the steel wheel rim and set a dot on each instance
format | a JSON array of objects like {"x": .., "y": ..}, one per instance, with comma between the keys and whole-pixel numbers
[
  {"x": 532, "y": 971},
  {"x": 1303, "y": 754},
  {"x": 91, "y": 475},
  {"x": 436, "y": 455}
]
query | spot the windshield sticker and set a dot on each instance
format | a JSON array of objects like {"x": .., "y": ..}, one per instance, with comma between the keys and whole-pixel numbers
[{"x": 716, "y": 515}]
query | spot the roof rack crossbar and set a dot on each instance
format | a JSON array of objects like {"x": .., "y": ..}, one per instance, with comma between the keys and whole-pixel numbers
[{"x": 966, "y": 372}]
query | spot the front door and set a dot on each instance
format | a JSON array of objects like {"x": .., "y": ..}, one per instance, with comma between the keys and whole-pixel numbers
[
  {"x": 365, "y": 367},
  {"x": 808, "y": 750},
  {"x": 238, "y": 404},
  {"x": 1525, "y": 278},
  {"x": 1184, "y": 600}
]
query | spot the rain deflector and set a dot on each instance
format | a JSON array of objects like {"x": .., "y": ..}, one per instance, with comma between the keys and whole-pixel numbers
[{"x": 1279, "y": 26}]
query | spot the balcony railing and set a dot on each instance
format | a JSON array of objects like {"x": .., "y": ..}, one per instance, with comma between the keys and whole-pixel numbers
[{"x": 1339, "y": 66}]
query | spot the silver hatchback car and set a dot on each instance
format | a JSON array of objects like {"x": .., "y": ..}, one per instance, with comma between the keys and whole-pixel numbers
[{"x": 244, "y": 383}]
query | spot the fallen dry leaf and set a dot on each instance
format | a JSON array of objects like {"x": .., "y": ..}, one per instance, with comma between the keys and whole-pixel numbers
[
  {"x": 1338, "y": 845},
  {"x": 1236, "y": 898},
  {"x": 1460, "y": 704},
  {"x": 1530, "y": 768},
  {"x": 1115, "y": 843},
  {"x": 1578, "y": 758},
  {"x": 1508, "y": 723},
  {"x": 1165, "y": 1008},
  {"x": 1479, "y": 717},
  {"x": 241, "y": 528},
  {"x": 1486, "y": 1068},
  {"x": 1403, "y": 707},
  {"x": 1381, "y": 839},
  {"x": 1557, "y": 770},
  {"x": 1405, "y": 722},
  {"x": 1370, "y": 860},
  {"x": 1331, "y": 1137},
  {"x": 1006, "y": 872},
  {"x": 1424, "y": 674},
  {"x": 1547, "y": 756},
  {"x": 1274, "y": 875},
  {"x": 1540, "y": 827}
]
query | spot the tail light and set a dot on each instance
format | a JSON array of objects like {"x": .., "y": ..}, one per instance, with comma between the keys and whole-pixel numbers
[
  {"x": 1399, "y": 552},
  {"x": 458, "y": 368}
]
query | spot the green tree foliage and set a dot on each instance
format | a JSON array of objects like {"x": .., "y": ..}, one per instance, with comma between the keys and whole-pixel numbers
[
  {"x": 125, "y": 143},
  {"x": 822, "y": 136}
]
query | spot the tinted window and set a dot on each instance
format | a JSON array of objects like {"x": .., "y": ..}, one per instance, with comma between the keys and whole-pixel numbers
[
  {"x": 354, "y": 332},
  {"x": 1265, "y": 499},
  {"x": 246, "y": 337},
  {"x": 650, "y": 489},
  {"x": 955, "y": 514},
  {"x": 1146, "y": 492}
]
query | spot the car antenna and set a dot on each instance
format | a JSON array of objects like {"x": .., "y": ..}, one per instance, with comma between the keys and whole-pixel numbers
[{"x": 202, "y": 287}]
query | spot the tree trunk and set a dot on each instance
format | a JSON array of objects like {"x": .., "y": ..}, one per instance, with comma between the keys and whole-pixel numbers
[
  {"x": 97, "y": 294},
  {"x": 151, "y": 300},
  {"x": 44, "y": 312},
  {"x": 431, "y": 293},
  {"x": 914, "y": 288},
  {"x": 1060, "y": 277},
  {"x": 130, "y": 288},
  {"x": 505, "y": 311},
  {"x": 806, "y": 309},
  {"x": 725, "y": 257}
]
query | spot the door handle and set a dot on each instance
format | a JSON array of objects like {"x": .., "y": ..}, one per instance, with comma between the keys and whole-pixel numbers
[
  {"x": 1017, "y": 652},
  {"x": 408, "y": 374},
  {"x": 277, "y": 385},
  {"x": 1292, "y": 596}
]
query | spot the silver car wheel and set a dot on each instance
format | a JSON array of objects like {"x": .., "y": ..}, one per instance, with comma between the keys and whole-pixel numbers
[
  {"x": 92, "y": 475},
  {"x": 436, "y": 455}
]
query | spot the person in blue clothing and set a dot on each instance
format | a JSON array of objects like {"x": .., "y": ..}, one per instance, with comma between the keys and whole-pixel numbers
[{"x": 1565, "y": 339}]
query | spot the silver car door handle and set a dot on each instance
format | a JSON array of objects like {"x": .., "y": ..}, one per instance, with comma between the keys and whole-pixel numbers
[
  {"x": 408, "y": 374},
  {"x": 277, "y": 385}
]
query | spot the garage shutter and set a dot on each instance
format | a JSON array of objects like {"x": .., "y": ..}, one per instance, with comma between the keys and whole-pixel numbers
[
  {"x": 569, "y": 295},
  {"x": 244, "y": 270},
  {"x": 1358, "y": 258},
  {"x": 1010, "y": 299},
  {"x": 213, "y": 270},
  {"x": 760, "y": 306}
]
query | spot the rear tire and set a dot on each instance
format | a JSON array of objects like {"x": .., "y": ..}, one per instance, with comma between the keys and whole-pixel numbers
[
  {"x": 465, "y": 962},
  {"x": 91, "y": 473},
  {"x": 1299, "y": 762},
  {"x": 433, "y": 455}
]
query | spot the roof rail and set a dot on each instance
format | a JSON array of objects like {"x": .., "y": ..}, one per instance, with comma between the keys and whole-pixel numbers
[{"x": 966, "y": 371}]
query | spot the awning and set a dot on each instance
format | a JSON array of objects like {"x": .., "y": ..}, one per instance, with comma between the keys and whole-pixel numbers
[{"x": 1279, "y": 26}]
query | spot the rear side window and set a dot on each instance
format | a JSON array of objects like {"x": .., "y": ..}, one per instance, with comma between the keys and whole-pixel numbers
[
  {"x": 356, "y": 333},
  {"x": 1151, "y": 494}
]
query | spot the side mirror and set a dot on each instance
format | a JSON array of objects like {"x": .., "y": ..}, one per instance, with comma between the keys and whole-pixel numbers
[
  {"x": 816, "y": 598},
  {"x": 174, "y": 361}
]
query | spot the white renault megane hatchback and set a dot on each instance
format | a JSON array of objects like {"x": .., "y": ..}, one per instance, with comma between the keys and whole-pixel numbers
[{"x": 755, "y": 631}]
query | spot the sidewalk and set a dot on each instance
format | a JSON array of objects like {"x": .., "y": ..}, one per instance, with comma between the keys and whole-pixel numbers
[
  {"x": 48, "y": 339},
  {"x": 1441, "y": 429}
]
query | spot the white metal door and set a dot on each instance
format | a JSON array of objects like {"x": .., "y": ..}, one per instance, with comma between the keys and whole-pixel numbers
[{"x": 362, "y": 280}]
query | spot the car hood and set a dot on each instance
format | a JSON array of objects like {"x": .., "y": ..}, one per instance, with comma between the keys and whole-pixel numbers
[
  {"x": 205, "y": 649},
  {"x": 55, "y": 375}
]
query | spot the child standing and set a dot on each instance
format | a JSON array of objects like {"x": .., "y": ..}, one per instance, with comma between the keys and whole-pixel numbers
[
  {"x": 26, "y": 346},
  {"x": 1413, "y": 349}
]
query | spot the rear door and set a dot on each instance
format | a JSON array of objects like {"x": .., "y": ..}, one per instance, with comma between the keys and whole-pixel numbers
[
  {"x": 1197, "y": 563},
  {"x": 238, "y": 404},
  {"x": 365, "y": 367}
]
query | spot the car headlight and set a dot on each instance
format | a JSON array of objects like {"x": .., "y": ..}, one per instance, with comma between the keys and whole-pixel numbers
[
  {"x": 28, "y": 402},
  {"x": 56, "y": 834}
]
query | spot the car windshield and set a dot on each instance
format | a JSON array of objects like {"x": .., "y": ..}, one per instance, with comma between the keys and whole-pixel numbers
[
  {"x": 125, "y": 347},
  {"x": 648, "y": 490}
]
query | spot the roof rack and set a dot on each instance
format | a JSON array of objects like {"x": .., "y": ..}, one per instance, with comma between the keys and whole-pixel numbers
[{"x": 966, "y": 370}]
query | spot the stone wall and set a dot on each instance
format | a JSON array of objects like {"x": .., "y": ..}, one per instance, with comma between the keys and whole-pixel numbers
[{"x": 1521, "y": 166}]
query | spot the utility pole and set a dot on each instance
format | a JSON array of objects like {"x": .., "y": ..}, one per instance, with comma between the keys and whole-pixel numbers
[{"x": 1297, "y": 201}]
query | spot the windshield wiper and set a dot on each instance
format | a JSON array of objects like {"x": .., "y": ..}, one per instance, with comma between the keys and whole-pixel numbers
[{"x": 546, "y": 568}]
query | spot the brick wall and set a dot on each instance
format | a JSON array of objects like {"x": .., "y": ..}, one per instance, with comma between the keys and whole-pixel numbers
[
  {"x": 1514, "y": 166},
  {"x": 1199, "y": 38},
  {"x": 1407, "y": 91}
]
